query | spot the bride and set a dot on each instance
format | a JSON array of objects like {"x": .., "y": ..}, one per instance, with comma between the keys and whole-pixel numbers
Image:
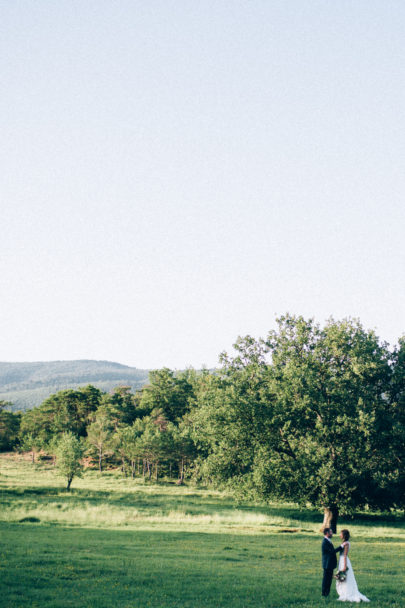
[{"x": 347, "y": 589}]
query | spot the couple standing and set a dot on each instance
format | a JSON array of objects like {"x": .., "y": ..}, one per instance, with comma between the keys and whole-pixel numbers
[{"x": 347, "y": 588}]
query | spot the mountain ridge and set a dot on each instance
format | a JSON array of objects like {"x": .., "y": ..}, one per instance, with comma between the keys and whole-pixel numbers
[{"x": 28, "y": 384}]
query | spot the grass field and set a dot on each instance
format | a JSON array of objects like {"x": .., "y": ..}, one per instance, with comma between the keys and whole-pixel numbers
[{"x": 115, "y": 542}]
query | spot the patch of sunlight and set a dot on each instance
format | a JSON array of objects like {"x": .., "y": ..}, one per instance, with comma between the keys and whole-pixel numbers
[{"x": 88, "y": 514}]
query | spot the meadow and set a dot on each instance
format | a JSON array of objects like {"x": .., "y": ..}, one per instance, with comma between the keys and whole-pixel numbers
[{"x": 114, "y": 541}]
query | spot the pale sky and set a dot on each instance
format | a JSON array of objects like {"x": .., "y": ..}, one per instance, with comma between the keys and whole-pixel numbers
[{"x": 175, "y": 174}]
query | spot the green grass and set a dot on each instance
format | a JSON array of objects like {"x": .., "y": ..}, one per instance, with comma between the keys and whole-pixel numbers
[{"x": 120, "y": 543}]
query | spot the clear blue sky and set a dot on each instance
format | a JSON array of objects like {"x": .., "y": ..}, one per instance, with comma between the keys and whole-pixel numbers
[{"x": 175, "y": 174}]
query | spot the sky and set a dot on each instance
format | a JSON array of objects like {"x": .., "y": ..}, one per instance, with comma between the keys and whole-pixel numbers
[{"x": 175, "y": 174}]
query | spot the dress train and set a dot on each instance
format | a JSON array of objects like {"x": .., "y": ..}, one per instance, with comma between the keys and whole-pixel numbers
[{"x": 348, "y": 590}]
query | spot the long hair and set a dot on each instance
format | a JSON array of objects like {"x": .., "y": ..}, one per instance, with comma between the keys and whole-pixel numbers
[{"x": 346, "y": 534}]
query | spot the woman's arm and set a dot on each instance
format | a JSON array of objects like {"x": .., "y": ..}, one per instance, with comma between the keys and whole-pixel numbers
[{"x": 345, "y": 552}]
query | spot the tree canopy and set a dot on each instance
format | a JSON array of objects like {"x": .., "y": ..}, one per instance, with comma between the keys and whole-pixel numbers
[{"x": 306, "y": 415}]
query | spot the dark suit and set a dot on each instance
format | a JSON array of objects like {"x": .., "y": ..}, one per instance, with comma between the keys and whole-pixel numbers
[{"x": 329, "y": 563}]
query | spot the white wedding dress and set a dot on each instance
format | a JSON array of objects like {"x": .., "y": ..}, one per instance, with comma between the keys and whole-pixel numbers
[{"x": 348, "y": 590}]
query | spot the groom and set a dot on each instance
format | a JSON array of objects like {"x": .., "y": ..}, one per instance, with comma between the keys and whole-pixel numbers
[{"x": 329, "y": 561}]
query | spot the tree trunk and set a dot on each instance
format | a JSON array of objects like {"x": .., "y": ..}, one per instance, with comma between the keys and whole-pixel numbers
[
  {"x": 32, "y": 456},
  {"x": 100, "y": 460},
  {"x": 68, "y": 484},
  {"x": 330, "y": 517},
  {"x": 180, "y": 481}
]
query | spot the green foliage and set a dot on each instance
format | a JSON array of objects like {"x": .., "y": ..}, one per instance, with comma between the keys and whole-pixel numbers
[
  {"x": 152, "y": 443},
  {"x": 69, "y": 410},
  {"x": 304, "y": 415},
  {"x": 123, "y": 406},
  {"x": 36, "y": 426},
  {"x": 228, "y": 421},
  {"x": 181, "y": 447},
  {"x": 100, "y": 435},
  {"x": 395, "y": 447},
  {"x": 169, "y": 393},
  {"x": 9, "y": 427},
  {"x": 31, "y": 443},
  {"x": 65, "y": 411},
  {"x": 69, "y": 452},
  {"x": 128, "y": 446},
  {"x": 330, "y": 415}
]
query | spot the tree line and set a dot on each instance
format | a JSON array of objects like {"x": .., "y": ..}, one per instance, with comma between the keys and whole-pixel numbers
[{"x": 310, "y": 414}]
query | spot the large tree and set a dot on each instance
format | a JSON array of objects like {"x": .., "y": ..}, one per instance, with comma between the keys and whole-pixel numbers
[
  {"x": 304, "y": 415},
  {"x": 331, "y": 413}
]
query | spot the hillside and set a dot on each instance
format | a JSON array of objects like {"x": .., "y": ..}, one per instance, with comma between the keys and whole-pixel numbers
[{"x": 26, "y": 385}]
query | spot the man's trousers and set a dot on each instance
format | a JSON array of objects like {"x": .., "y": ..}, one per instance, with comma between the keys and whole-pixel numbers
[{"x": 326, "y": 581}]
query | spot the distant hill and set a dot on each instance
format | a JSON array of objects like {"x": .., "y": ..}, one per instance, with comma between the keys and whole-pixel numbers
[{"x": 26, "y": 385}]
